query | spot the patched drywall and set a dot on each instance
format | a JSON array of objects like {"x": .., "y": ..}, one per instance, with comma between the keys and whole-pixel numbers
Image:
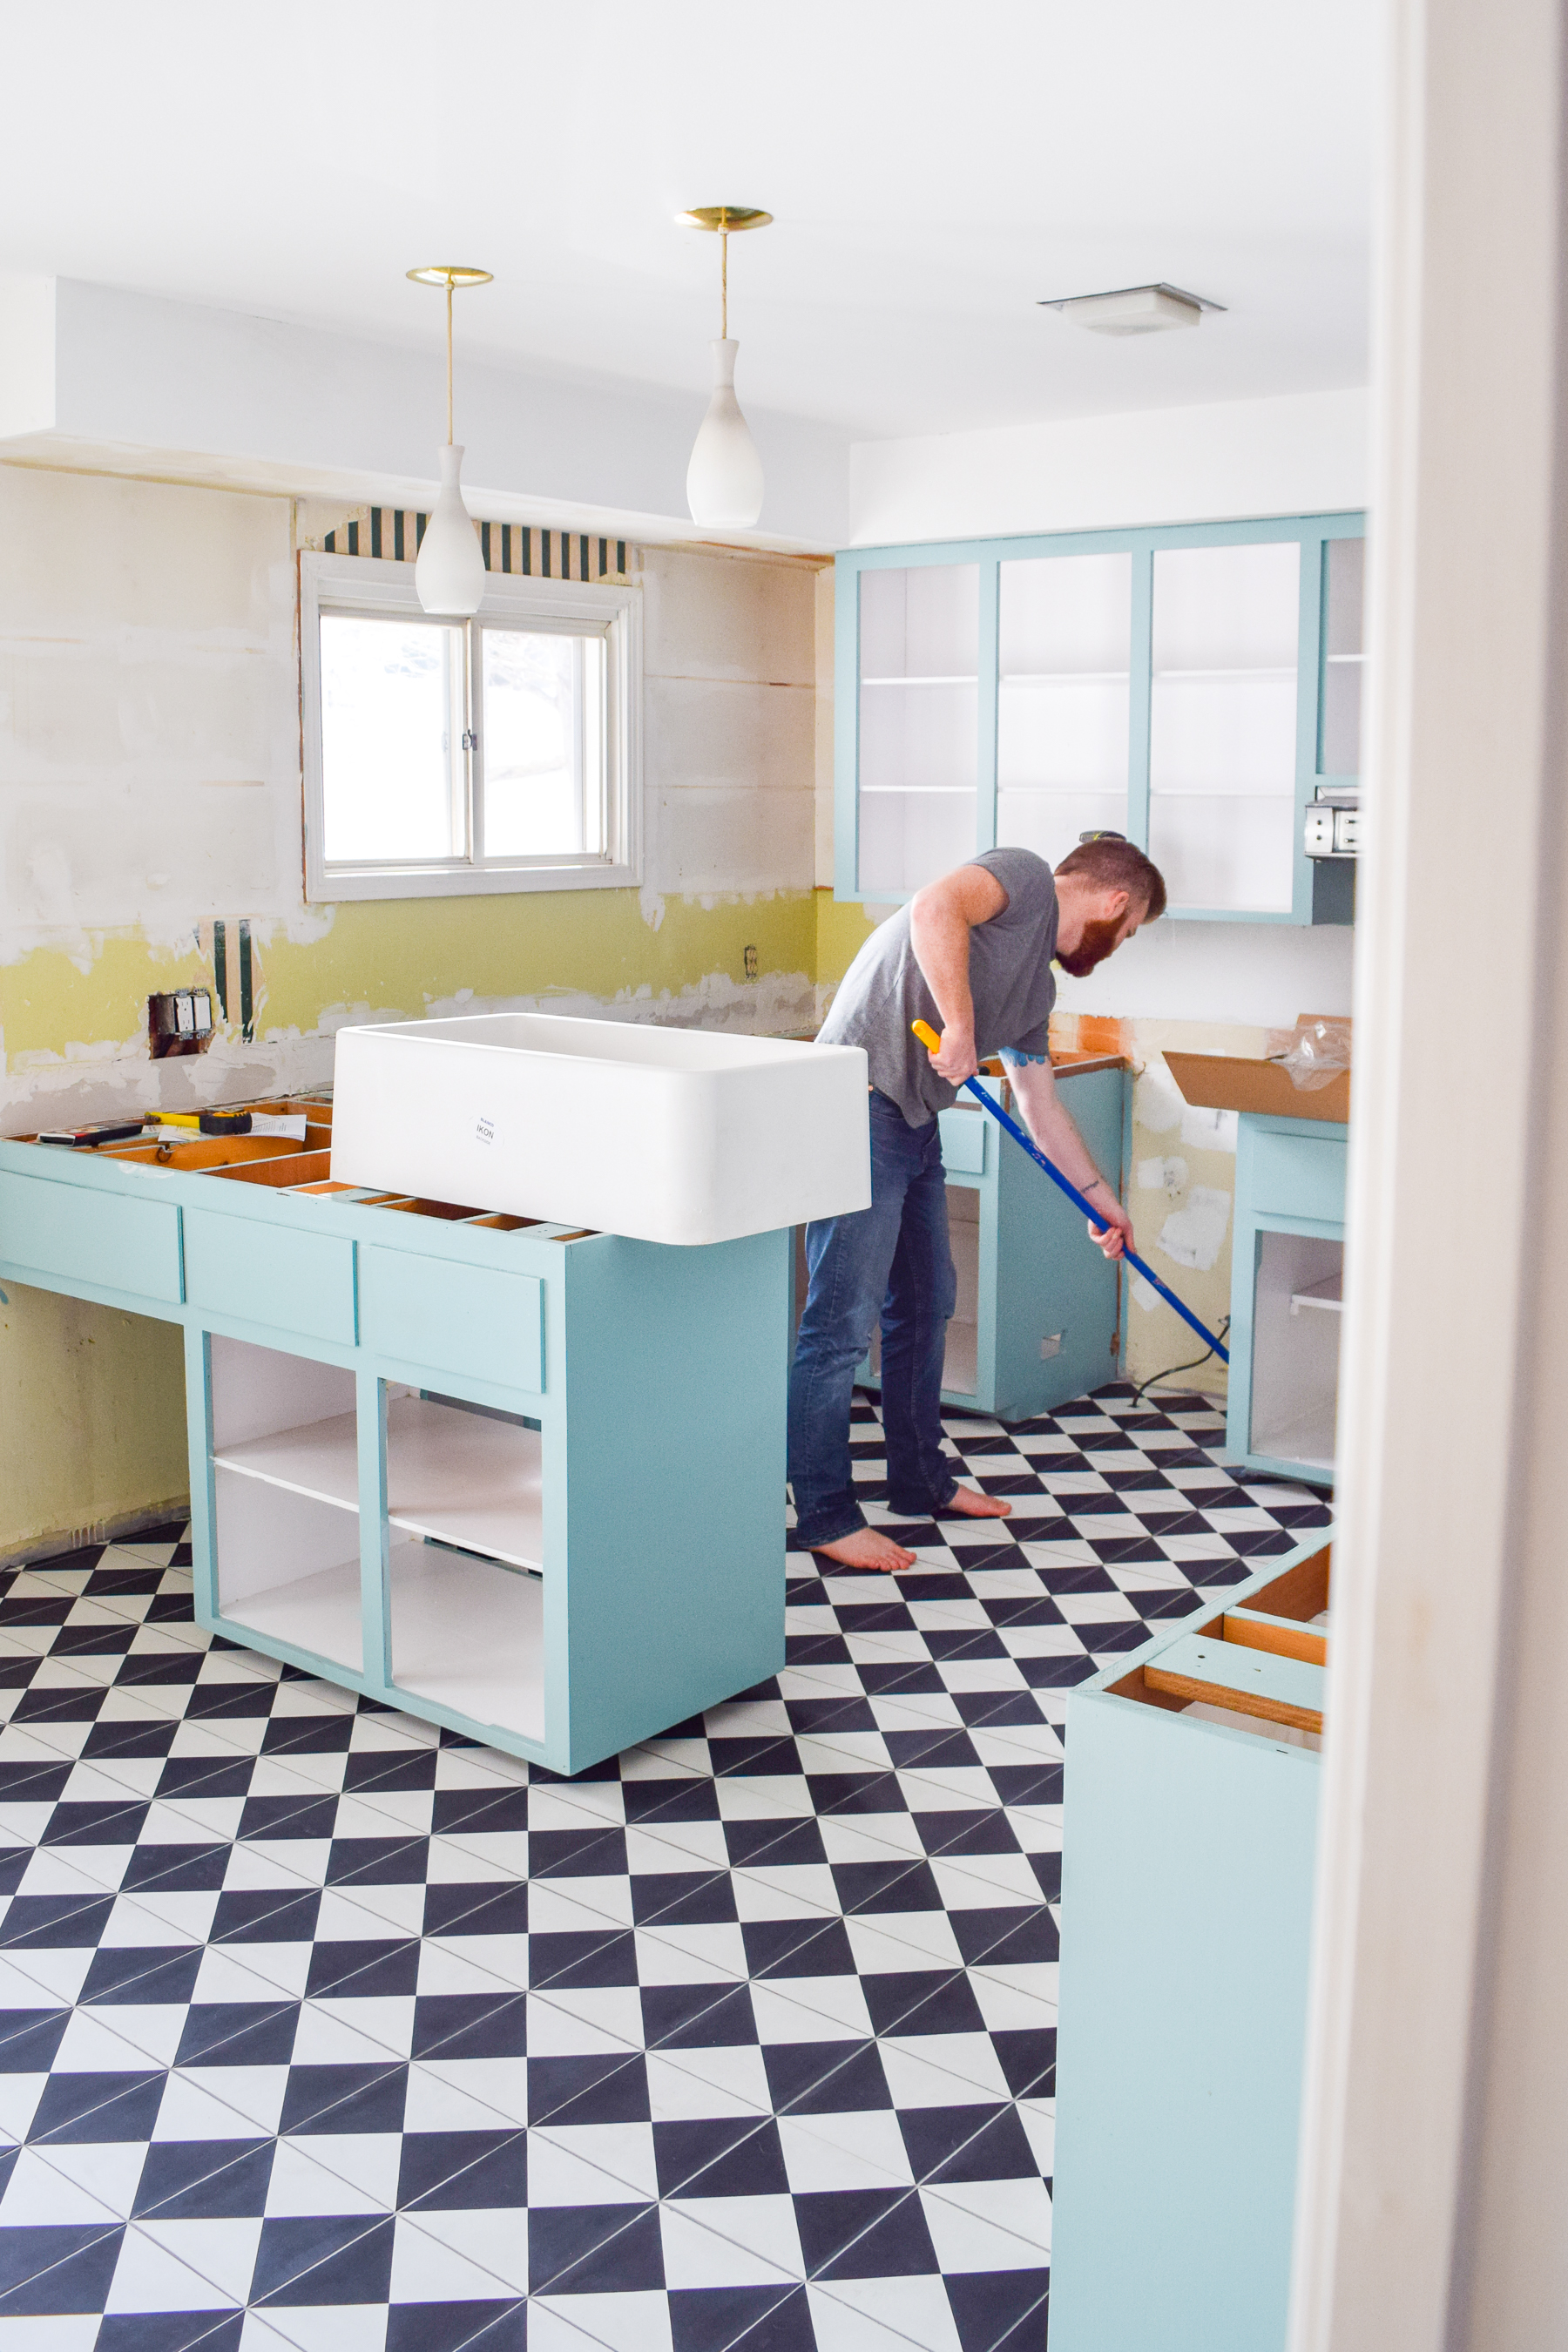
[
  {"x": 1181, "y": 1186},
  {"x": 149, "y": 787},
  {"x": 150, "y": 766}
]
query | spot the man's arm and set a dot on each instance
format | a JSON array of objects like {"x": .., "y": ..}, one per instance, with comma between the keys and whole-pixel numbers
[
  {"x": 942, "y": 917},
  {"x": 1050, "y": 1123}
]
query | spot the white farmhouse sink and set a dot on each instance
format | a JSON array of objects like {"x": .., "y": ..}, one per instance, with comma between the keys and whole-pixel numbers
[{"x": 666, "y": 1135}]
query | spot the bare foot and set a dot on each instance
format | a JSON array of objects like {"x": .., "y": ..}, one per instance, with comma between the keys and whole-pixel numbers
[
  {"x": 965, "y": 1504},
  {"x": 866, "y": 1547}
]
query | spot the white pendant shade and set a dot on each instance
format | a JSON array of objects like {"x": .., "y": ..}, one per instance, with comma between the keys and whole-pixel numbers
[
  {"x": 450, "y": 573},
  {"x": 724, "y": 479}
]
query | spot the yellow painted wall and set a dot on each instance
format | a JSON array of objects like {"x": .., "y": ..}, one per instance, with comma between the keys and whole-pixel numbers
[{"x": 91, "y": 1420}]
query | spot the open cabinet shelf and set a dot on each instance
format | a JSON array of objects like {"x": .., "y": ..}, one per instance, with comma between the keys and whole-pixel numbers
[
  {"x": 320, "y": 1612},
  {"x": 468, "y": 1634},
  {"x": 289, "y": 1566},
  {"x": 466, "y": 1479},
  {"x": 319, "y": 1458}
]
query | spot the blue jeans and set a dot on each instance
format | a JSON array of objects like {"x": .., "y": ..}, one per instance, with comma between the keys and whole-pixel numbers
[{"x": 891, "y": 1260}]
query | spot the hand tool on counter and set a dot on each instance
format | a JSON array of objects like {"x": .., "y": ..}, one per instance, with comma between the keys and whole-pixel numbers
[{"x": 932, "y": 1044}]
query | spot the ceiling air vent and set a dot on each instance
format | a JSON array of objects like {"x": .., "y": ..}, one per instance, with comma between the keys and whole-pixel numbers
[{"x": 1132, "y": 310}]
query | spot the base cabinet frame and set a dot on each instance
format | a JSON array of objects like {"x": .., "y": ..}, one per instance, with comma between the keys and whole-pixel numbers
[
  {"x": 1045, "y": 1323},
  {"x": 1289, "y": 1181},
  {"x": 650, "y": 1378}
]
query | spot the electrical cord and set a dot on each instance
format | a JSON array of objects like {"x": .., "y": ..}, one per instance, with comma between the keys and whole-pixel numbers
[{"x": 1170, "y": 1371}]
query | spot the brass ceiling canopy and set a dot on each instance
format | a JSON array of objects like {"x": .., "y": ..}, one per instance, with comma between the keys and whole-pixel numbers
[
  {"x": 450, "y": 274},
  {"x": 731, "y": 218}
]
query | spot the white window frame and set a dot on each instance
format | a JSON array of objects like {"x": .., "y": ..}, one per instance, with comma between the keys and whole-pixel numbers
[{"x": 378, "y": 588}]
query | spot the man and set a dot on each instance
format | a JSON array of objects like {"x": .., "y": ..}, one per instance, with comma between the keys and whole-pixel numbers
[{"x": 971, "y": 954}]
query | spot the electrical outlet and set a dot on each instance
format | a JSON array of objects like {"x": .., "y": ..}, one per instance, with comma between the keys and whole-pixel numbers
[
  {"x": 1347, "y": 832},
  {"x": 179, "y": 1020},
  {"x": 1320, "y": 830}
]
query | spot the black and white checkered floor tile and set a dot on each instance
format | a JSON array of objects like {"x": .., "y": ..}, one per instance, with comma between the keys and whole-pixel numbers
[{"x": 322, "y": 2031}]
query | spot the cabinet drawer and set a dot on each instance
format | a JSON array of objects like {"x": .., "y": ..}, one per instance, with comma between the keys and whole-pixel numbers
[
  {"x": 51, "y": 1227},
  {"x": 963, "y": 1141},
  {"x": 264, "y": 1274},
  {"x": 1298, "y": 1176},
  {"x": 456, "y": 1319}
]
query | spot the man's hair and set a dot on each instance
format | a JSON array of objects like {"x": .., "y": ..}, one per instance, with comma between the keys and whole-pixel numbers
[{"x": 1116, "y": 865}]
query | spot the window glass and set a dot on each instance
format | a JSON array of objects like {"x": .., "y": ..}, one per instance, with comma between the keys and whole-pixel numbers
[
  {"x": 541, "y": 733},
  {"x": 391, "y": 695},
  {"x": 497, "y": 754}
]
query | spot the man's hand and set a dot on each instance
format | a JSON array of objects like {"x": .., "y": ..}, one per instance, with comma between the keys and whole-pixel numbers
[
  {"x": 1116, "y": 1233},
  {"x": 956, "y": 1060}
]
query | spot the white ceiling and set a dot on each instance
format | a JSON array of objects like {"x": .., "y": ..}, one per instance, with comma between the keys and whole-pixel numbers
[{"x": 934, "y": 168}]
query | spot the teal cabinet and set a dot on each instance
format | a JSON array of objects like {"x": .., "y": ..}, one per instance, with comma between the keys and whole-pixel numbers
[
  {"x": 256, "y": 1273},
  {"x": 445, "y": 1459},
  {"x": 1194, "y": 688},
  {"x": 1285, "y": 1299},
  {"x": 1190, "y": 1834},
  {"x": 1038, "y": 1315},
  {"x": 59, "y": 1238},
  {"x": 453, "y": 1319}
]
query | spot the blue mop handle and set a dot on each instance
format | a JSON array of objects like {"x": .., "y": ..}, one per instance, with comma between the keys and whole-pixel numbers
[{"x": 930, "y": 1039}]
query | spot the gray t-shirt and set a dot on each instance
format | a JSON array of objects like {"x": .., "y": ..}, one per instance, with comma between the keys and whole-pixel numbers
[{"x": 1010, "y": 979}]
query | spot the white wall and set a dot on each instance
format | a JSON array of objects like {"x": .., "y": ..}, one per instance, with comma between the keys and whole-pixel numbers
[
  {"x": 1433, "y": 2193},
  {"x": 1299, "y": 453},
  {"x": 149, "y": 708},
  {"x": 130, "y": 381},
  {"x": 1260, "y": 974}
]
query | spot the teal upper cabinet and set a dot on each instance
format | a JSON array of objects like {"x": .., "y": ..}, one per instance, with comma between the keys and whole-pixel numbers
[
  {"x": 1339, "y": 732},
  {"x": 918, "y": 721},
  {"x": 1194, "y": 688}
]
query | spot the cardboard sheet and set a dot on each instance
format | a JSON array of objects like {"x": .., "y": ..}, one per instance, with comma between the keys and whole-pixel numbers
[{"x": 1236, "y": 1082}]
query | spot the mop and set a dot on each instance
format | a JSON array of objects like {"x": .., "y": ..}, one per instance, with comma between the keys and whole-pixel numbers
[{"x": 932, "y": 1044}]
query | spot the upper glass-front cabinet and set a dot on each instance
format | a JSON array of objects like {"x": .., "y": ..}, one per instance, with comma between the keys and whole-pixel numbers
[{"x": 1192, "y": 689}]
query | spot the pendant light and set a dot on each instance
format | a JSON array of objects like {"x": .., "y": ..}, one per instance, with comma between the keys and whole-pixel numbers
[
  {"x": 724, "y": 479},
  {"x": 450, "y": 573}
]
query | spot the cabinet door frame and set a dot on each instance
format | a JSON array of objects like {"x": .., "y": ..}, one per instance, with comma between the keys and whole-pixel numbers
[{"x": 1311, "y": 533}]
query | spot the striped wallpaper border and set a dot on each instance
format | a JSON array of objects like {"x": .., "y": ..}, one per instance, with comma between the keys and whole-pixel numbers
[{"x": 519, "y": 551}]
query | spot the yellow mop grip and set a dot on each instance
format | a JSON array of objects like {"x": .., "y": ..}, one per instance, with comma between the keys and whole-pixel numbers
[{"x": 927, "y": 1035}]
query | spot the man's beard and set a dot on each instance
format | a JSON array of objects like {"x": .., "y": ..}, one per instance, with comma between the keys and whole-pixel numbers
[{"x": 1098, "y": 940}]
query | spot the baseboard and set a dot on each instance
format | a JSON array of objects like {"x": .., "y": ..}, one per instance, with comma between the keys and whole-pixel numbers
[{"x": 119, "y": 1523}]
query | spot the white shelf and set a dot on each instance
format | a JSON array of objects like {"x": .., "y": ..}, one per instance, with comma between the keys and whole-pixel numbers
[
  {"x": 959, "y": 679},
  {"x": 462, "y": 1477},
  {"x": 320, "y": 1612},
  {"x": 1329, "y": 1293},
  {"x": 468, "y": 1634},
  {"x": 1063, "y": 677},
  {"x": 905, "y": 791},
  {"x": 465, "y": 1479},
  {"x": 1308, "y": 1440},
  {"x": 321, "y": 1459},
  {"x": 1263, "y": 670}
]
